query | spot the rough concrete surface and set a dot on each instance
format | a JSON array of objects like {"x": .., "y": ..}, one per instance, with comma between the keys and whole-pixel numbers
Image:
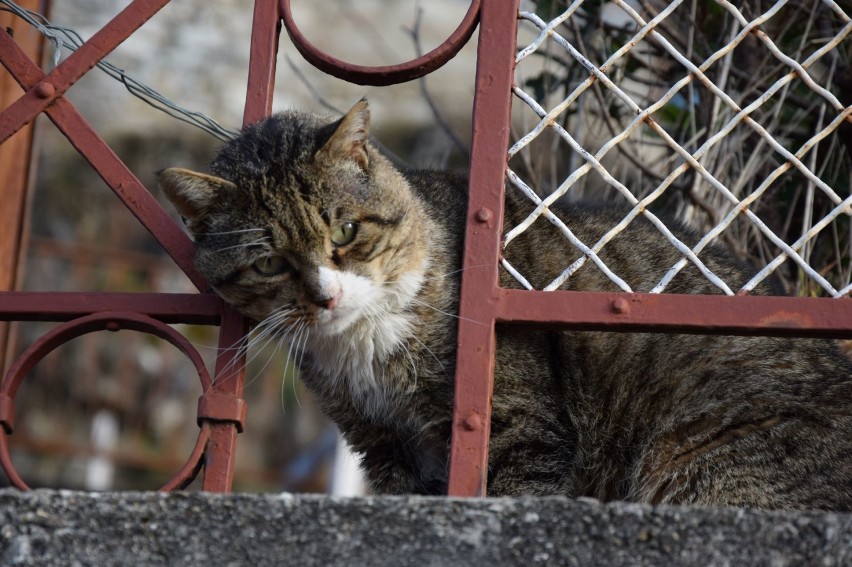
[{"x": 74, "y": 528}]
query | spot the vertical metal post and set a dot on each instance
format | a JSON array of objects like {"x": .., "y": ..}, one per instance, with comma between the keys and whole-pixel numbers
[
  {"x": 266, "y": 30},
  {"x": 17, "y": 164},
  {"x": 221, "y": 452},
  {"x": 479, "y": 291},
  {"x": 230, "y": 373}
]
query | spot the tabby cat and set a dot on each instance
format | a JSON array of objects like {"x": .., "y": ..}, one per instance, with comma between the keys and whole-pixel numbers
[{"x": 304, "y": 226}]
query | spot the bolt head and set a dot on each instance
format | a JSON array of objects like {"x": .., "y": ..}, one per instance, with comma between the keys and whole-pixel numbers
[
  {"x": 620, "y": 305},
  {"x": 473, "y": 422},
  {"x": 483, "y": 214},
  {"x": 45, "y": 89}
]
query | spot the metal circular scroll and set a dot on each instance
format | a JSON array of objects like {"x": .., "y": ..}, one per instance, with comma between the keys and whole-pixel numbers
[
  {"x": 388, "y": 74},
  {"x": 110, "y": 321}
]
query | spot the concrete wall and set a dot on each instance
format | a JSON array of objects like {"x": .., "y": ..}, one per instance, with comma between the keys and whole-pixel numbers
[{"x": 62, "y": 528}]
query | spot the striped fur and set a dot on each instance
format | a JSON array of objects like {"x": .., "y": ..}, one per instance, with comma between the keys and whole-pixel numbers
[{"x": 759, "y": 422}]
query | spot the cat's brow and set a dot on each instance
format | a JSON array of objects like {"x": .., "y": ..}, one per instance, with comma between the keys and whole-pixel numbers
[{"x": 381, "y": 221}]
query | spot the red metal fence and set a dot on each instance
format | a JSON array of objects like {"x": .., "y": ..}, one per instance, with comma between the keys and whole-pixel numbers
[{"x": 221, "y": 410}]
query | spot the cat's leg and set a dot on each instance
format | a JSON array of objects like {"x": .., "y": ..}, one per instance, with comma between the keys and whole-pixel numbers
[
  {"x": 777, "y": 462},
  {"x": 532, "y": 443},
  {"x": 530, "y": 455},
  {"x": 398, "y": 462},
  {"x": 387, "y": 471}
]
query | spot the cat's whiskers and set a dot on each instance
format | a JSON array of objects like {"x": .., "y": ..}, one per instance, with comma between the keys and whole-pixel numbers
[
  {"x": 258, "y": 339},
  {"x": 293, "y": 379},
  {"x": 302, "y": 347},
  {"x": 438, "y": 360},
  {"x": 374, "y": 314},
  {"x": 441, "y": 275},
  {"x": 426, "y": 304},
  {"x": 298, "y": 330},
  {"x": 442, "y": 312},
  {"x": 240, "y": 231},
  {"x": 413, "y": 366},
  {"x": 255, "y": 242},
  {"x": 239, "y": 348},
  {"x": 272, "y": 355},
  {"x": 251, "y": 339}
]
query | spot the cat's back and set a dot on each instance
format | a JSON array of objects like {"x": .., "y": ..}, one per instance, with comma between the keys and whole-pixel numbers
[
  {"x": 444, "y": 195},
  {"x": 667, "y": 418}
]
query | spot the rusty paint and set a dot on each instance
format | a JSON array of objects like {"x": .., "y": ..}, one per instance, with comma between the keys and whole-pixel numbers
[
  {"x": 476, "y": 341},
  {"x": 222, "y": 412},
  {"x": 96, "y": 322},
  {"x": 389, "y": 74}
]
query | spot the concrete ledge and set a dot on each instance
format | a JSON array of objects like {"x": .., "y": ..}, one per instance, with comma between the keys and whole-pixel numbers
[{"x": 62, "y": 528}]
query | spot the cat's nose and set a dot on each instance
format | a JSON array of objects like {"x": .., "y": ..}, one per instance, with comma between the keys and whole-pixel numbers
[{"x": 328, "y": 303}]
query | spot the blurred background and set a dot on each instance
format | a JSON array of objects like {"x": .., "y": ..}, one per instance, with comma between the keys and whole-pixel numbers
[{"x": 117, "y": 410}]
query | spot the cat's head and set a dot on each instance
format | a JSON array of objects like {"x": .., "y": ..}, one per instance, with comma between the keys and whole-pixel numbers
[{"x": 301, "y": 219}]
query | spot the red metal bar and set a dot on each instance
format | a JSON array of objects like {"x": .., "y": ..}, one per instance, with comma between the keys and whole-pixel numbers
[
  {"x": 266, "y": 31},
  {"x": 388, "y": 74},
  {"x": 55, "y": 83},
  {"x": 17, "y": 165},
  {"x": 112, "y": 321},
  {"x": 230, "y": 367},
  {"x": 191, "y": 308},
  {"x": 476, "y": 344},
  {"x": 228, "y": 382},
  {"x": 109, "y": 166},
  {"x": 671, "y": 313},
  {"x": 6, "y": 463},
  {"x": 194, "y": 463}
]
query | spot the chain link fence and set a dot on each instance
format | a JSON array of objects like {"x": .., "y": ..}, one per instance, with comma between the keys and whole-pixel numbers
[{"x": 732, "y": 119}]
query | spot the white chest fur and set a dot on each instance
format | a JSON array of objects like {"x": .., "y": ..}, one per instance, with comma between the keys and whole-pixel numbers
[{"x": 351, "y": 345}]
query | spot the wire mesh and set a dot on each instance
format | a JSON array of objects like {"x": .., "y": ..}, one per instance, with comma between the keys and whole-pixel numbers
[{"x": 671, "y": 97}]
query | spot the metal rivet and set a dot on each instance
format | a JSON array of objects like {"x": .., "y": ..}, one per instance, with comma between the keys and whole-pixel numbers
[
  {"x": 472, "y": 422},
  {"x": 620, "y": 305},
  {"x": 45, "y": 89},
  {"x": 483, "y": 214}
]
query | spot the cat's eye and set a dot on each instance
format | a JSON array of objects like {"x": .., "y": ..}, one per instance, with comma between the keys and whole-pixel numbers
[
  {"x": 344, "y": 233},
  {"x": 271, "y": 265}
]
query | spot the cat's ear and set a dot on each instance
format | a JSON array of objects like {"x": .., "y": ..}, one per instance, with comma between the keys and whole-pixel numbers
[
  {"x": 349, "y": 139},
  {"x": 191, "y": 193}
]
